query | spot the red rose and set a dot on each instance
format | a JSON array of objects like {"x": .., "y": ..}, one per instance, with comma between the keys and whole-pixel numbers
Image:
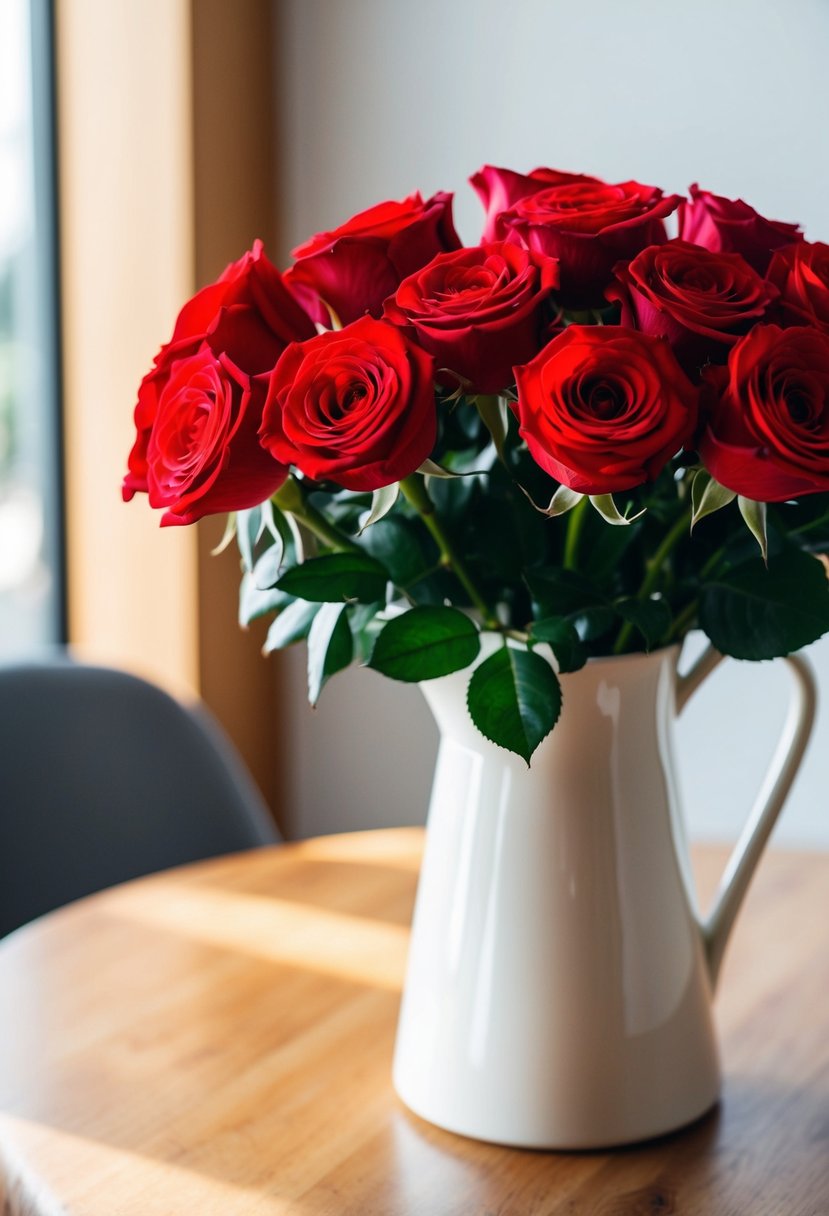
[
  {"x": 767, "y": 430},
  {"x": 604, "y": 408},
  {"x": 500, "y": 189},
  {"x": 801, "y": 274},
  {"x": 203, "y": 454},
  {"x": 355, "y": 268},
  {"x": 356, "y": 406},
  {"x": 478, "y": 311},
  {"x": 590, "y": 227},
  {"x": 727, "y": 225},
  {"x": 700, "y": 301},
  {"x": 265, "y": 317}
]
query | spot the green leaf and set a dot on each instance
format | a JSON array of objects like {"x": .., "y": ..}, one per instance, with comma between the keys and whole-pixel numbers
[
  {"x": 752, "y": 612},
  {"x": 425, "y": 643},
  {"x": 268, "y": 567},
  {"x": 365, "y": 625},
  {"x": 247, "y": 534},
  {"x": 397, "y": 544},
  {"x": 254, "y": 603},
  {"x": 514, "y": 699},
  {"x": 382, "y": 501},
  {"x": 330, "y": 647},
  {"x": 707, "y": 496},
  {"x": 610, "y": 513},
  {"x": 754, "y": 514},
  {"x": 651, "y": 617},
  {"x": 336, "y": 577},
  {"x": 285, "y": 550},
  {"x": 593, "y": 623},
  {"x": 563, "y": 640},
  {"x": 563, "y": 592},
  {"x": 291, "y": 625}
]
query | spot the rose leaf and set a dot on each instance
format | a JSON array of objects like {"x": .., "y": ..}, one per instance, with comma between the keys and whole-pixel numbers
[
  {"x": 330, "y": 647},
  {"x": 754, "y": 612},
  {"x": 291, "y": 625},
  {"x": 563, "y": 639},
  {"x": 336, "y": 577},
  {"x": 425, "y": 643},
  {"x": 514, "y": 699}
]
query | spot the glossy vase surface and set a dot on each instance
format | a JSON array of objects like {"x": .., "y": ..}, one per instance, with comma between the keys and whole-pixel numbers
[{"x": 560, "y": 981}]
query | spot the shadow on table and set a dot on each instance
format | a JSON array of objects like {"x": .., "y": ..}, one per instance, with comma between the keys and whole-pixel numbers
[{"x": 379, "y": 1160}]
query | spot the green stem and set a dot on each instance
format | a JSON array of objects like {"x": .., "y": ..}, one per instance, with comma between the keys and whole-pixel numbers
[
  {"x": 712, "y": 563},
  {"x": 575, "y": 527},
  {"x": 671, "y": 539},
  {"x": 683, "y": 620},
  {"x": 289, "y": 498},
  {"x": 316, "y": 522},
  {"x": 415, "y": 492}
]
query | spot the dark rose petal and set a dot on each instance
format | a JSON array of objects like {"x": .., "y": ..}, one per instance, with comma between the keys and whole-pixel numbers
[
  {"x": 765, "y": 431},
  {"x": 352, "y": 270},
  {"x": 726, "y": 225},
  {"x": 478, "y": 311}
]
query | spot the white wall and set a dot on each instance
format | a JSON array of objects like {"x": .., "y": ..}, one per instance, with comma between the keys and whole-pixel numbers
[{"x": 376, "y": 98}]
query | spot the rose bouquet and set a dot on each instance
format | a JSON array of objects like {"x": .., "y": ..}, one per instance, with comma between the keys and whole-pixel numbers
[{"x": 578, "y": 435}]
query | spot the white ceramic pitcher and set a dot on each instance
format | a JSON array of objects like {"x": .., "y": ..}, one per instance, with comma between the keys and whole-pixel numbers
[{"x": 559, "y": 982}]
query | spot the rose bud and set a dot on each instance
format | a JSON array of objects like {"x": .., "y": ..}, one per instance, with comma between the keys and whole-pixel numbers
[
  {"x": 727, "y": 225},
  {"x": 801, "y": 274},
  {"x": 355, "y": 406},
  {"x": 478, "y": 311},
  {"x": 500, "y": 189},
  {"x": 590, "y": 227},
  {"x": 766, "y": 418},
  {"x": 355, "y": 268},
  {"x": 603, "y": 408},
  {"x": 228, "y": 334}
]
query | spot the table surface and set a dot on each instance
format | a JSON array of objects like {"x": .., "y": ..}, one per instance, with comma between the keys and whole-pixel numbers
[{"x": 218, "y": 1039}]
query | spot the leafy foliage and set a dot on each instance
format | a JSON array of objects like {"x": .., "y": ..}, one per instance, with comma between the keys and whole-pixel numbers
[
  {"x": 406, "y": 580},
  {"x": 514, "y": 699}
]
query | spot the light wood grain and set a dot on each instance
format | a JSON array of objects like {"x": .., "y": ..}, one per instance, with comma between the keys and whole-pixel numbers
[{"x": 217, "y": 1040}]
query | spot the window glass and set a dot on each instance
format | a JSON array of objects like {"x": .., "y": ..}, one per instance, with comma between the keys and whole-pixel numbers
[{"x": 30, "y": 583}]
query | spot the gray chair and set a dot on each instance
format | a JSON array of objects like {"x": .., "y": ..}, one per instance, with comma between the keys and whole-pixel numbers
[{"x": 104, "y": 777}]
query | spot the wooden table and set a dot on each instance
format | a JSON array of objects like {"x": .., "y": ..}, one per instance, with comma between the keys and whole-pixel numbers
[{"x": 217, "y": 1040}]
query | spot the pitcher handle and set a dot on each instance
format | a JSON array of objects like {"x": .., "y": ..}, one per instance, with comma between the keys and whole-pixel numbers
[{"x": 773, "y": 793}]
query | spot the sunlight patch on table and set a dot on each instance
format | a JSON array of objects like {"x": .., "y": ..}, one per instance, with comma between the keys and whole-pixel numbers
[
  {"x": 51, "y": 1172},
  {"x": 354, "y": 948},
  {"x": 399, "y": 848}
]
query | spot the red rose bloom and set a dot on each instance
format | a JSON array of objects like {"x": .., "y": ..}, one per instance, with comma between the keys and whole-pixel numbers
[
  {"x": 590, "y": 227},
  {"x": 766, "y": 432},
  {"x": 478, "y": 311},
  {"x": 203, "y": 454},
  {"x": 500, "y": 189},
  {"x": 356, "y": 406},
  {"x": 355, "y": 268},
  {"x": 700, "y": 301},
  {"x": 604, "y": 408},
  {"x": 801, "y": 274},
  {"x": 727, "y": 225},
  {"x": 241, "y": 323}
]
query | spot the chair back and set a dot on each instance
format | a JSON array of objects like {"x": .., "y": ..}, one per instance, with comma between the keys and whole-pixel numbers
[{"x": 105, "y": 777}]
